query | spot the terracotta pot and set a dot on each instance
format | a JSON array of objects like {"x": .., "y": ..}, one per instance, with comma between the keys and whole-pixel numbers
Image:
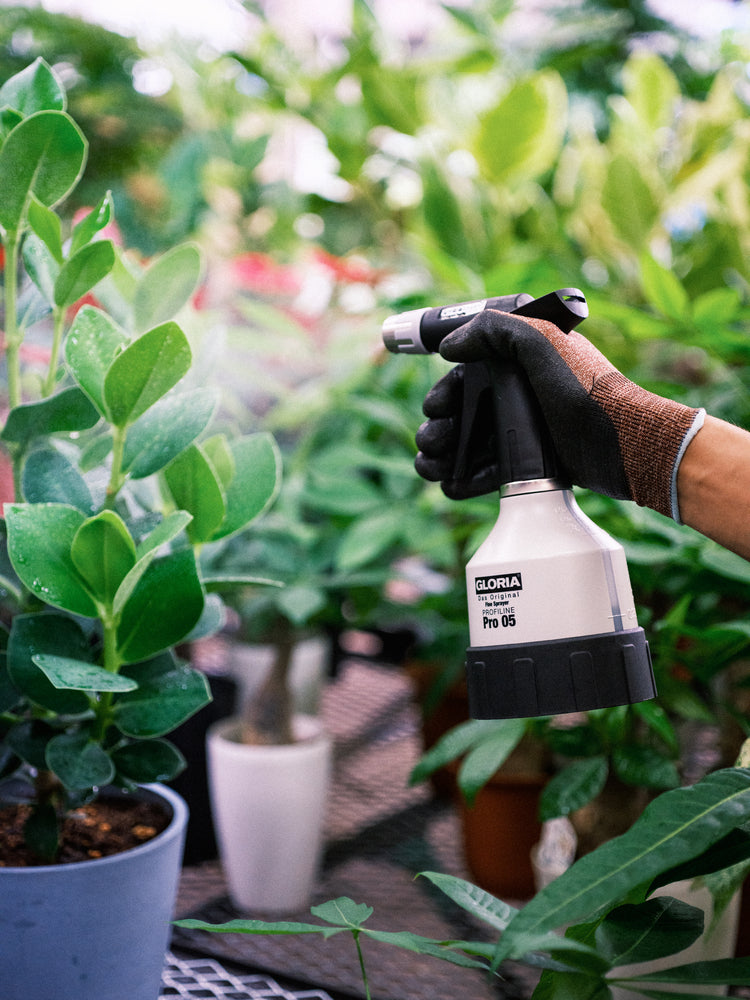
[{"x": 500, "y": 831}]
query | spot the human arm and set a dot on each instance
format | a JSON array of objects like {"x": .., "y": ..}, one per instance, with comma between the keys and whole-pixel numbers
[{"x": 713, "y": 485}]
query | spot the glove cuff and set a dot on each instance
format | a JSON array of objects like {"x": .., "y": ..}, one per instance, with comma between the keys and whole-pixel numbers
[
  {"x": 653, "y": 433},
  {"x": 700, "y": 416}
]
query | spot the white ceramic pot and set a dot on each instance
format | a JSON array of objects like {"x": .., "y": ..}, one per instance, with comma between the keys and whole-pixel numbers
[{"x": 268, "y": 805}]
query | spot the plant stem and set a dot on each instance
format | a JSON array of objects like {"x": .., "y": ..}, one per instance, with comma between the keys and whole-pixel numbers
[
  {"x": 112, "y": 663},
  {"x": 363, "y": 970},
  {"x": 116, "y": 478},
  {"x": 13, "y": 336},
  {"x": 59, "y": 324}
]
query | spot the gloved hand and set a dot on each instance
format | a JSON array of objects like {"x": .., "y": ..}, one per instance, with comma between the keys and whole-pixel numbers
[{"x": 611, "y": 435}]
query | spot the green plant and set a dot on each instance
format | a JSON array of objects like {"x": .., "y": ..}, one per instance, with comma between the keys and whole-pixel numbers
[
  {"x": 605, "y": 902},
  {"x": 118, "y": 490}
]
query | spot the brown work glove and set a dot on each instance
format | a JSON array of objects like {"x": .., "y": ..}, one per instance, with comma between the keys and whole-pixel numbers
[{"x": 610, "y": 435}]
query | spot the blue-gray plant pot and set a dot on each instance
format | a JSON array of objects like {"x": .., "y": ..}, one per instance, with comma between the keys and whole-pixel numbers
[{"x": 92, "y": 930}]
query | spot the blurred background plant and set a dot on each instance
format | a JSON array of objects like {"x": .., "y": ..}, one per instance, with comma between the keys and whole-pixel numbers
[{"x": 361, "y": 168}]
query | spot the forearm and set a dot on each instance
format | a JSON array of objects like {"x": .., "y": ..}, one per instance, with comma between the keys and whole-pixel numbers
[{"x": 713, "y": 485}]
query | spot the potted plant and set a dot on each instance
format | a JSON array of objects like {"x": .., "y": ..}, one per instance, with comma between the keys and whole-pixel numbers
[
  {"x": 101, "y": 571},
  {"x": 617, "y": 922}
]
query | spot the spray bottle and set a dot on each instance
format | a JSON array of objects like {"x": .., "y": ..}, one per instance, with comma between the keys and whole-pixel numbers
[{"x": 552, "y": 622}]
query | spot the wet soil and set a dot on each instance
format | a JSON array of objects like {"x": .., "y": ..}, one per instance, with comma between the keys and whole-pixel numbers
[{"x": 97, "y": 830}]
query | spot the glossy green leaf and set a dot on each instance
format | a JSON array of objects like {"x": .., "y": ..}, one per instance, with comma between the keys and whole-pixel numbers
[
  {"x": 675, "y": 827},
  {"x": 40, "y": 537},
  {"x": 78, "y": 761},
  {"x": 43, "y": 270},
  {"x": 67, "y": 411},
  {"x": 167, "y": 285},
  {"x": 103, "y": 553},
  {"x": 34, "y": 634},
  {"x": 148, "y": 761},
  {"x": 91, "y": 346},
  {"x": 195, "y": 488},
  {"x": 47, "y": 227},
  {"x": 81, "y": 272},
  {"x": 34, "y": 88},
  {"x": 163, "y": 608},
  {"x": 343, "y": 912},
  {"x": 76, "y": 675},
  {"x": 255, "y": 484},
  {"x": 168, "y": 694},
  {"x": 654, "y": 929},
  {"x": 49, "y": 477},
  {"x": 44, "y": 155},
  {"x": 165, "y": 531},
  {"x": 572, "y": 787},
  {"x": 722, "y": 972},
  {"x": 91, "y": 224},
  {"x": 166, "y": 429},
  {"x": 144, "y": 372},
  {"x": 474, "y": 900}
]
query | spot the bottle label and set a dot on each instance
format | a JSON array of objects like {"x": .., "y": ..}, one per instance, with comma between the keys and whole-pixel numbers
[{"x": 495, "y": 600}]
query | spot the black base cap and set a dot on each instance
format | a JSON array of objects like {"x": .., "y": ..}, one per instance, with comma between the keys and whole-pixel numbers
[{"x": 525, "y": 680}]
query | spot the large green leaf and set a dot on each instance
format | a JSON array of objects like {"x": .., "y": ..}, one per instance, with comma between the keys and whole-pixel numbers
[
  {"x": 34, "y": 88},
  {"x": 36, "y": 634},
  {"x": 167, "y": 429},
  {"x": 67, "y": 674},
  {"x": 44, "y": 155},
  {"x": 675, "y": 827},
  {"x": 144, "y": 372},
  {"x": 168, "y": 693},
  {"x": 195, "y": 487},
  {"x": 255, "y": 483},
  {"x": 104, "y": 553},
  {"x": 40, "y": 537},
  {"x": 83, "y": 271},
  {"x": 148, "y": 760},
  {"x": 49, "y": 477},
  {"x": 163, "y": 608},
  {"x": 67, "y": 411},
  {"x": 78, "y": 761},
  {"x": 663, "y": 289},
  {"x": 167, "y": 285},
  {"x": 91, "y": 346},
  {"x": 646, "y": 931}
]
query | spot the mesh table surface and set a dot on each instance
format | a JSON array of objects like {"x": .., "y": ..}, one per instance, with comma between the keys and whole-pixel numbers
[{"x": 380, "y": 833}]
